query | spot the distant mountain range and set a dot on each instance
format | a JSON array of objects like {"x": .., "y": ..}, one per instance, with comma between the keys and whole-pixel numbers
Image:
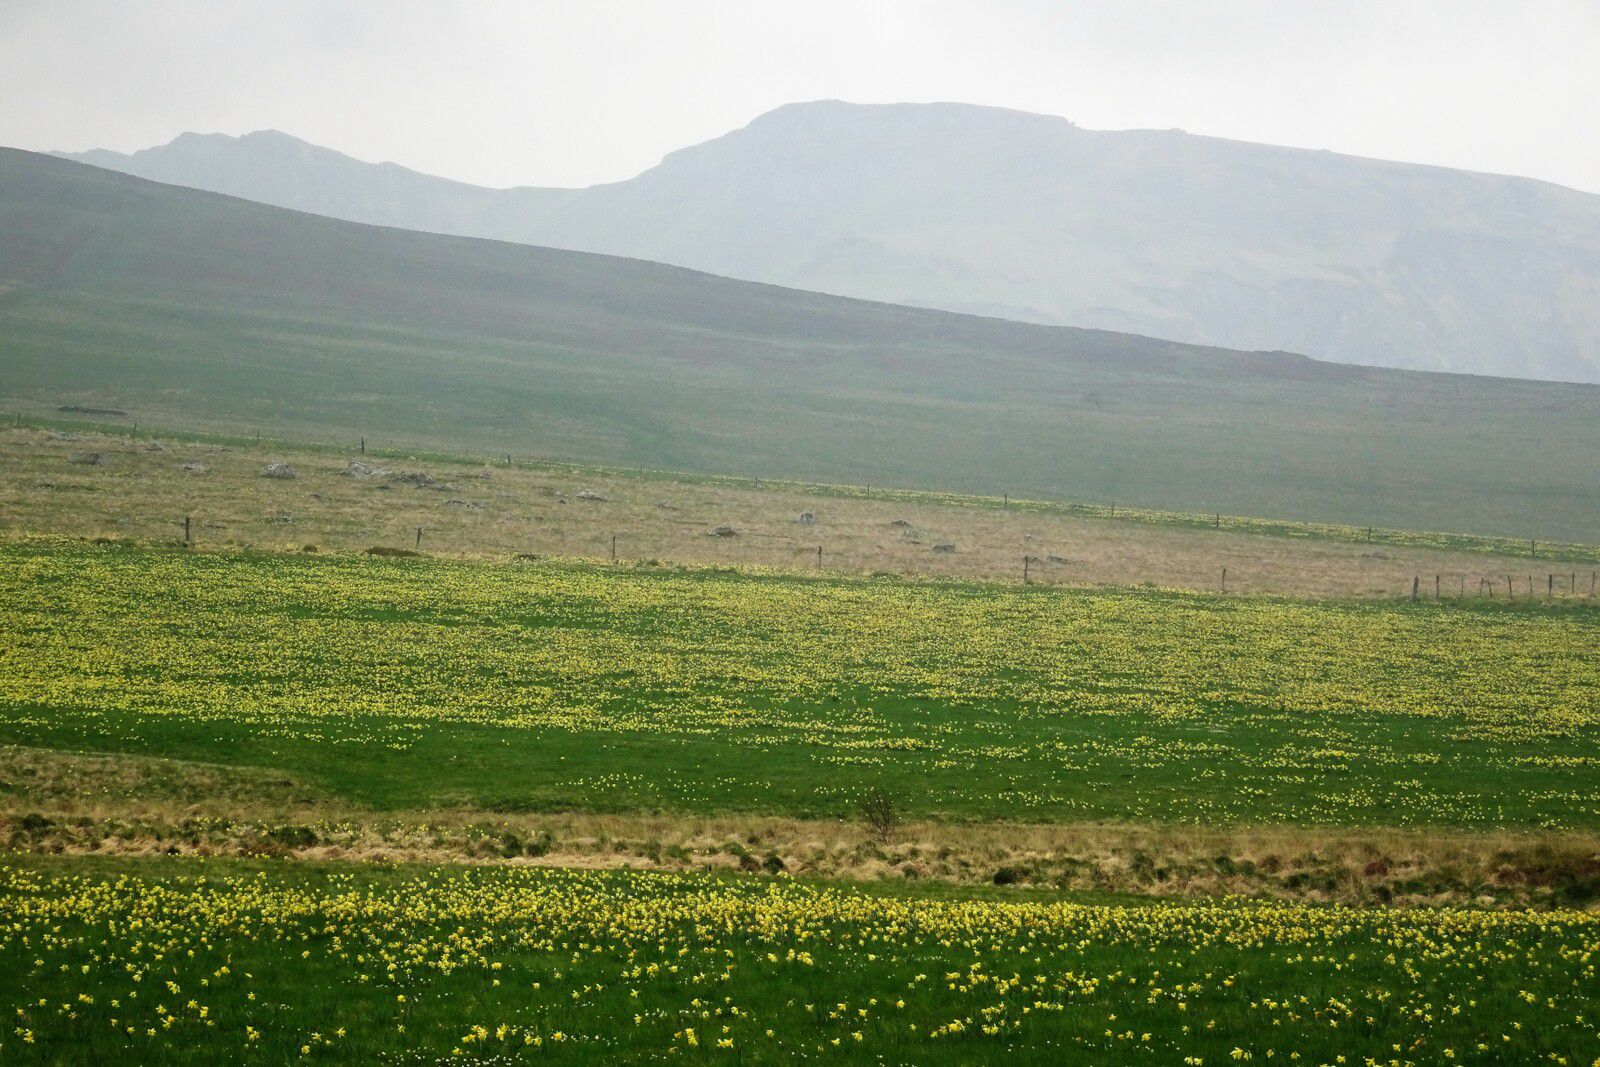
[
  {"x": 1029, "y": 217},
  {"x": 189, "y": 309}
]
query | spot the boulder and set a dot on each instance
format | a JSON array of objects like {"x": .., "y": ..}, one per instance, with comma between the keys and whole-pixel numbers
[
  {"x": 590, "y": 494},
  {"x": 89, "y": 459},
  {"x": 195, "y": 468},
  {"x": 420, "y": 479},
  {"x": 281, "y": 471},
  {"x": 357, "y": 469},
  {"x": 944, "y": 548},
  {"x": 722, "y": 531},
  {"x": 805, "y": 518}
]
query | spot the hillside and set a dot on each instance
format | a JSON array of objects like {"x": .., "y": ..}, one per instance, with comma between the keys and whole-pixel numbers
[
  {"x": 1029, "y": 217},
  {"x": 198, "y": 309}
]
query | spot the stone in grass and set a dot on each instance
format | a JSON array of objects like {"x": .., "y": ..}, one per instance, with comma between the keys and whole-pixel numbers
[
  {"x": 590, "y": 494},
  {"x": 195, "y": 468},
  {"x": 357, "y": 469},
  {"x": 281, "y": 471},
  {"x": 89, "y": 459},
  {"x": 944, "y": 548},
  {"x": 722, "y": 531},
  {"x": 901, "y": 522},
  {"x": 666, "y": 505},
  {"x": 805, "y": 518}
]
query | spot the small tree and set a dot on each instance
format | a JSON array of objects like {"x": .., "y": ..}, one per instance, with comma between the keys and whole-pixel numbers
[{"x": 878, "y": 812}]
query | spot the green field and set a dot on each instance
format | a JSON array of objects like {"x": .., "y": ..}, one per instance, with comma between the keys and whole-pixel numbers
[
  {"x": 192, "y": 962},
  {"x": 408, "y": 683},
  {"x": 186, "y": 308}
]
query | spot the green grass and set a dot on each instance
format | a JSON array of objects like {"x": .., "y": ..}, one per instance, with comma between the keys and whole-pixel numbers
[
  {"x": 531, "y": 686},
  {"x": 206, "y": 961},
  {"x": 184, "y": 307}
]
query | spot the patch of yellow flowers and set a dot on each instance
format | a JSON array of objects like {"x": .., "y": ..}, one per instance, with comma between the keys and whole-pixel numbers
[{"x": 503, "y": 962}]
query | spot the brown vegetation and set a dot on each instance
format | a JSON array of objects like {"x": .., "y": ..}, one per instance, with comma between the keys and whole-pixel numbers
[
  {"x": 57, "y": 802},
  {"x": 146, "y": 489}
]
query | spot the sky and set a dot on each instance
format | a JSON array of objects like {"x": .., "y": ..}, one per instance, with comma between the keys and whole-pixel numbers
[{"x": 574, "y": 93}]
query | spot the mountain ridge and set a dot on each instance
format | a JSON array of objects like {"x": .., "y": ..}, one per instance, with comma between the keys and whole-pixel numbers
[{"x": 1016, "y": 215}]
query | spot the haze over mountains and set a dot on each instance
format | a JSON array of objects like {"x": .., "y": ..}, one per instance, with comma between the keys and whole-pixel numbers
[
  {"x": 191, "y": 309},
  {"x": 1029, "y": 217}
]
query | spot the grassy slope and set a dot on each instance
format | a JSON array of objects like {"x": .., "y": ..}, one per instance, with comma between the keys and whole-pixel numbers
[
  {"x": 537, "y": 686},
  {"x": 201, "y": 309}
]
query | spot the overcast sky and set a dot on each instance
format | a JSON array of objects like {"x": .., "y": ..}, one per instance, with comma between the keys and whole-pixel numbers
[{"x": 572, "y": 93}]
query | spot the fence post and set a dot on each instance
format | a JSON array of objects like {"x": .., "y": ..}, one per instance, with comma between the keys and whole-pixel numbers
[
  {"x": 1224, "y": 581},
  {"x": 1369, "y": 535},
  {"x": 1550, "y": 588},
  {"x": 819, "y": 555},
  {"x": 419, "y": 537},
  {"x": 1435, "y": 587},
  {"x": 613, "y": 548},
  {"x": 186, "y": 529},
  {"x": 1415, "y": 583},
  {"x": 363, "y": 446},
  {"x": 1024, "y": 569}
]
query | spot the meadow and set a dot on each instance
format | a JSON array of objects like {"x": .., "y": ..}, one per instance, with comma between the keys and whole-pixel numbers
[
  {"x": 211, "y": 961},
  {"x": 539, "y": 685},
  {"x": 147, "y": 485}
]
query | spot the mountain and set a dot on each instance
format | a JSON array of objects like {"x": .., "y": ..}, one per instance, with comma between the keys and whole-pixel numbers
[
  {"x": 189, "y": 308},
  {"x": 1029, "y": 217}
]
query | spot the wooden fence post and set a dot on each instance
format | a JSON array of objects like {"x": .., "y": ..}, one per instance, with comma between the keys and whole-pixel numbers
[
  {"x": 363, "y": 446},
  {"x": 819, "y": 555},
  {"x": 1435, "y": 587},
  {"x": 1024, "y": 569},
  {"x": 186, "y": 529},
  {"x": 1416, "y": 582},
  {"x": 419, "y": 537},
  {"x": 613, "y": 548},
  {"x": 1224, "y": 581}
]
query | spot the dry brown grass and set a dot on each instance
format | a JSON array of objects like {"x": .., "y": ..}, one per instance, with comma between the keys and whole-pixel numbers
[
  {"x": 61, "y": 802},
  {"x": 142, "y": 492}
]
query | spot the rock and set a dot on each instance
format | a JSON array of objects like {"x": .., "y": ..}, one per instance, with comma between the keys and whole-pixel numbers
[
  {"x": 1057, "y": 559},
  {"x": 805, "y": 518},
  {"x": 281, "y": 471},
  {"x": 1377, "y": 555},
  {"x": 722, "y": 531},
  {"x": 155, "y": 446},
  {"x": 420, "y": 479},
  {"x": 57, "y": 435},
  {"x": 471, "y": 505},
  {"x": 901, "y": 522},
  {"x": 44, "y": 485},
  {"x": 195, "y": 468},
  {"x": 357, "y": 469},
  {"x": 666, "y": 505},
  {"x": 282, "y": 518},
  {"x": 944, "y": 548},
  {"x": 89, "y": 459},
  {"x": 590, "y": 494}
]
